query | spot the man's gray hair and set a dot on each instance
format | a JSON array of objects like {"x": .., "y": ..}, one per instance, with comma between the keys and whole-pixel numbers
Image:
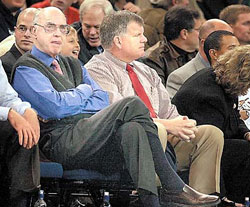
[
  {"x": 116, "y": 24},
  {"x": 105, "y": 5}
]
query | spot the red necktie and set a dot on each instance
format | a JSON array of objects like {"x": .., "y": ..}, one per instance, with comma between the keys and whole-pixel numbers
[
  {"x": 55, "y": 65},
  {"x": 139, "y": 90}
]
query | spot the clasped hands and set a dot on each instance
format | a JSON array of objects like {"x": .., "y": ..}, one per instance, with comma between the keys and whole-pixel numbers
[{"x": 182, "y": 127}]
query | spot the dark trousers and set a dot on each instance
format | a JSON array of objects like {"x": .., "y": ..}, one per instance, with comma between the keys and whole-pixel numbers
[
  {"x": 236, "y": 168},
  {"x": 19, "y": 167},
  {"x": 121, "y": 136},
  {"x": 6, "y": 131}
]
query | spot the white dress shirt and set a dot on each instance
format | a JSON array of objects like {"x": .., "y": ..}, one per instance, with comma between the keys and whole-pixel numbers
[{"x": 9, "y": 97}]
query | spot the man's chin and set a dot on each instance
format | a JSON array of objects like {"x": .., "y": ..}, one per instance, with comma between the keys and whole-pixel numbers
[{"x": 94, "y": 44}]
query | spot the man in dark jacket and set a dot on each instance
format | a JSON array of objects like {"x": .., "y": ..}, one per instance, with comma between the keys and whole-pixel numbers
[
  {"x": 23, "y": 39},
  {"x": 211, "y": 97},
  {"x": 91, "y": 16},
  {"x": 181, "y": 31}
]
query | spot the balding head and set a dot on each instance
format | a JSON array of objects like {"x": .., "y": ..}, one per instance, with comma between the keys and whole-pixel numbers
[
  {"x": 50, "y": 29},
  {"x": 213, "y": 25},
  {"x": 23, "y": 37},
  {"x": 207, "y": 28},
  {"x": 47, "y": 13},
  {"x": 27, "y": 12}
]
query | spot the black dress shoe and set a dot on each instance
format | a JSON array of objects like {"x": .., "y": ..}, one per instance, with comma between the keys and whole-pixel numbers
[
  {"x": 188, "y": 197},
  {"x": 226, "y": 203}
]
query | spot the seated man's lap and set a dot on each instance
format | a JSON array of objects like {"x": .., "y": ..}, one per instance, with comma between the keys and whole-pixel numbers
[{"x": 207, "y": 136}]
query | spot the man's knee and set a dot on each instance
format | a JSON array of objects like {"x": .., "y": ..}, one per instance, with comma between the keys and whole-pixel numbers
[
  {"x": 210, "y": 134},
  {"x": 129, "y": 131},
  {"x": 133, "y": 100}
]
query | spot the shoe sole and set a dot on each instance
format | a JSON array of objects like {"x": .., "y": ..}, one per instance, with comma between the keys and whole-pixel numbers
[{"x": 171, "y": 204}]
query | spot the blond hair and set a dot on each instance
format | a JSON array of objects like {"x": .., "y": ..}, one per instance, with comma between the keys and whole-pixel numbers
[{"x": 233, "y": 71}]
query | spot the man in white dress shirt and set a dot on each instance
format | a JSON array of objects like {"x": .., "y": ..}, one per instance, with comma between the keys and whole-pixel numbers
[{"x": 16, "y": 117}]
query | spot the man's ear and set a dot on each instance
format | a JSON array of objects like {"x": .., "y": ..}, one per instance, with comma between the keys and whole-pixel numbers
[
  {"x": 202, "y": 41},
  {"x": 175, "y": 2},
  {"x": 118, "y": 41},
  {"x": 33, "y": 30},
  {"x": 213, "y": 54},
  {"x": 15, "y": 28},
  {"x": 184, "y": 34}
]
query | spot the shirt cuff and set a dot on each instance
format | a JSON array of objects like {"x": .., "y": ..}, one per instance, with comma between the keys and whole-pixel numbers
[
  {"x": 4, "y": 111},
  {"x": 20, "y": 108}
]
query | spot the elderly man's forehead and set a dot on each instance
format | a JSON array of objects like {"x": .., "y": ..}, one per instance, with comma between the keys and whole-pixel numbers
[{"x": 51, "y": 15}]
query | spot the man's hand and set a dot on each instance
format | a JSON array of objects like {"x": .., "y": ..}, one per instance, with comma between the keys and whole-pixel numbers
[
  {"x": 182, "y": 127},
  {"x": 132, "y": 7},
  {"x": 31, "y": 117},
  {"x": 26, "y": 134}
]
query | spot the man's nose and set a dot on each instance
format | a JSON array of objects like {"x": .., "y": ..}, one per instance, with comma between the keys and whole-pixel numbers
[{"x": 92, "y": 30}]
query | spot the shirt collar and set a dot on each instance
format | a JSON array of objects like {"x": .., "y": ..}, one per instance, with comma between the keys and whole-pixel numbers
[
  {"x": 116, "y": 61},
  {"x": 204, "y": 62},
  {"x": 43, "y": 57}
]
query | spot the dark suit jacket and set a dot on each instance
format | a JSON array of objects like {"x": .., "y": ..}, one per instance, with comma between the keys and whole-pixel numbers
[
  {"x": 9, "y": 59},
  {"x": 202, "y": 99}
]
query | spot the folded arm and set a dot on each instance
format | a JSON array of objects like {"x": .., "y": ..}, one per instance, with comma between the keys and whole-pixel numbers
[{"x": 34, "y": 87}]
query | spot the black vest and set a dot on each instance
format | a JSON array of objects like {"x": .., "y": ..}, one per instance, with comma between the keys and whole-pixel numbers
[{"x": 71, "y": 67}]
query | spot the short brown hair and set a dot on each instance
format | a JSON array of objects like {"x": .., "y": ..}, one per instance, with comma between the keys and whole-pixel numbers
[
  {"x": 230, "y": 13},
  {"x": 233, "y": 70},
  {"x": 116, "y": 24}
]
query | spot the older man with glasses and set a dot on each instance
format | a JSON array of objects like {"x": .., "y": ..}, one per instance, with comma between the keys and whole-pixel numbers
[{"x": 24, "y": 40}]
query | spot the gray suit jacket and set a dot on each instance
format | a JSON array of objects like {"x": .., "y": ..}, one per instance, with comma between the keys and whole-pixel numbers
[{"x": 178, "y": 77}]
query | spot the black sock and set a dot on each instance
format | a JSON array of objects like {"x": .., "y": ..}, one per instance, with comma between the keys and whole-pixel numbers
[{"x": 168, "y": 177}]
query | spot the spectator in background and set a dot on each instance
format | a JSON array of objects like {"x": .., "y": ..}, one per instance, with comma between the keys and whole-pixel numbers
[
  {"x": 217, "y": 43},
  {"x": 23, "y": 39},
  {"x": 92, "y": 13},
  {"x": 9, "y": 10},
  {"x": 71, "y": 45},
  {"x": 71, "y": 13},
  {"x": 211, "y": 97},
  {"x": 238, "y": 17},
  {"x": 178, "y": 77},
  {"x": 154, "y": 19},
  {"x": 181, "y": 31}
]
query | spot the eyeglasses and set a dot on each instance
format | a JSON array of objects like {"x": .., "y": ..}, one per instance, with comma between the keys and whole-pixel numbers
[
  {"x": 50, "y": 28},
  {"x": 23, "y": 28}
]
